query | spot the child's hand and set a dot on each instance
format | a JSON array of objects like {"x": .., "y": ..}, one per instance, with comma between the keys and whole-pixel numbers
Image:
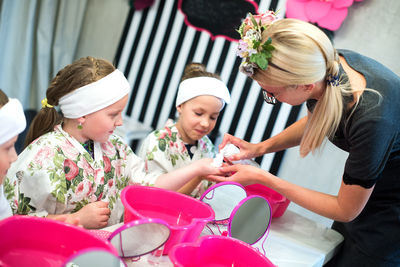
[
  {"x": 205, "y": 167},
  {"x": 94, "y": 215}
]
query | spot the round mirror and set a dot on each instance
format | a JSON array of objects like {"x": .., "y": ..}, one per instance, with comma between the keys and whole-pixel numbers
[
  {"x": 223, "y": 198},
  {"x": 94, "y": 257},
  {"x": 250, "y": 220},
  {"x": 140, "y": 237}
]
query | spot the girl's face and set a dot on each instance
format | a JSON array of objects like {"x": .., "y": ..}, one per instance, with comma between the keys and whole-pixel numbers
[
  {"x": 197, "y": 117},
  {"x": 7, "y": 156},
  {"x": 99, "y": 125}
]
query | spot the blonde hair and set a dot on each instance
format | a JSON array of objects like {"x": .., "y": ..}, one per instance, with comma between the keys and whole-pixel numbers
[
  {"x": 73, "y": 76},
  {"x": 304, "y": 55}
]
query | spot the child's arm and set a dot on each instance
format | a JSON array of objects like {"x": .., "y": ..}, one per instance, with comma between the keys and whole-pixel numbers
[{"x": 188, "y": 188}]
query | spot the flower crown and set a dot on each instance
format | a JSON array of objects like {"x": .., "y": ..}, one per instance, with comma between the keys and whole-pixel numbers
[{"x": 255, "y": 54}]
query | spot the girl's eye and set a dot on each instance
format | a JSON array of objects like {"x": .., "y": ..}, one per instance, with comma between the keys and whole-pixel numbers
[
  {"x": 198, "y": 113},
  {"x": 213, "y": 118}
]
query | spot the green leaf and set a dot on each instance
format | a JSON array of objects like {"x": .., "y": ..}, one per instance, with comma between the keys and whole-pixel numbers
[
  {"x": 162, "y": 144},
  {"x": 173, "y": 137},
  {"x": 260, "y": 60}
]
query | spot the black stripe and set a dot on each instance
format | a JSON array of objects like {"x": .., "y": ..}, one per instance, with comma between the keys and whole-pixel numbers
[
  {"x": 276, "y": 162},
  {"x": 135, "y": 43},
  {"x": 169, "y": 73},
  {"x": 160, "y": 57},
  {"x": 124, "y": 36},
  {"x": 222, "y": 57},
  {"x": 239, "y": 107},
  {"x": 256, "y": 115},
  {"x": 273, "y": 5},
  {"x": 146, "y": 53},
  {"x": 207, "y": 54}
]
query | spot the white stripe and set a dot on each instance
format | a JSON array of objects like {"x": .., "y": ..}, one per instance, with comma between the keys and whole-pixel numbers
[
  {"x": 201, "y": 47},
  {"x": 248, "y": 109},
  {"x": 151, "y": 60},
  {"x": 138, "y": 58},
  {"x": 165, "y": 64},
  {"x": 176, "y": 76},
  {"x": 130, "y": 38},
  {"x": 215, "y": 54}
]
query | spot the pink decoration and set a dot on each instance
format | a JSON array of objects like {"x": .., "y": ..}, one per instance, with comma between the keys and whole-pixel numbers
[{"x": 328, "y": 14}]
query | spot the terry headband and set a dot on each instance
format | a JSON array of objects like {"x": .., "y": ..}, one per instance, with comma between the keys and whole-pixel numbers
[
  {"x": 190, "y": 88},
  {"x": 12, "y": 119},
  {"x": 95, "y": 96}
]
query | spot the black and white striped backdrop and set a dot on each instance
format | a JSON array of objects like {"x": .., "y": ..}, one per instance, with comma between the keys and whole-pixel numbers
[{"x": 155, "y": 47}]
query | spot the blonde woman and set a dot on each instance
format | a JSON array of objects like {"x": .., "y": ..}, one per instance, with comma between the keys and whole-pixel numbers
[{"x": 353, "y": 101}]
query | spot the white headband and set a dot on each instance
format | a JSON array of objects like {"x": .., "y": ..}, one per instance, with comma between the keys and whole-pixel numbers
[
  {"x": 190, "y": 88},
  {"x": 95, "y": 96},
  {"x": 12, "y": 119}
]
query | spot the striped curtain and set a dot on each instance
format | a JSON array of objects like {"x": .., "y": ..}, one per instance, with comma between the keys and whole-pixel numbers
[{"x": 154, "y": 49}]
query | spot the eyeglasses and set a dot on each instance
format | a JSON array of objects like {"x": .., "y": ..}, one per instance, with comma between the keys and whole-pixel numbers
[{"x": 269, "y": 99}]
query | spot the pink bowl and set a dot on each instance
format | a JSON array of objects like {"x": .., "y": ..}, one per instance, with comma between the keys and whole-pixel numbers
[
  {"x": 186, "y": 216},
  {"x": 34, "y": 241},
  {"x": 278, "y": 202},
  {"x": 217, "y": 251}
]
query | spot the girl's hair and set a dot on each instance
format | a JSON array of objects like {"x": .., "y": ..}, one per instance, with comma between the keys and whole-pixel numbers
[
  {"x": 73, "y": 76},
  {"x": 193, "y": 70},
  {"x": 3, "y": 98},
  {"x": 304, "y": 55}
]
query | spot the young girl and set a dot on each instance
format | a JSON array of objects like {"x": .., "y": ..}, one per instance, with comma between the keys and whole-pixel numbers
[
  {"x": 201, "y": 97},
  {"x": 74, "y": 164},
  {"x": 13, "y": 122}
]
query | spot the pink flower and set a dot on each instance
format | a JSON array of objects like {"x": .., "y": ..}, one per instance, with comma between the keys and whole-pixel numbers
[
  {"x": 107, "y": 164},
  {"x": 328, "y": 14},
  {"x": 85, "y": 166},
  {"x": 108, "y": 149},
  {"x": 43, "y": 154},
  {"x": 69, "y": 150},
  {"x": 168, "y": 131},
  {"x": 70, "y": 169},
  {"x": 266, "y": 18}
]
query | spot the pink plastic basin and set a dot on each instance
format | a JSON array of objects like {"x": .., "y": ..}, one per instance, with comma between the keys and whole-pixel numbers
[
  {"x": 278, "y": 202},
  {"x": 34, "y": 241},
  {"x": 215, "y": 251},
  {"x": 186, "y": 216}
]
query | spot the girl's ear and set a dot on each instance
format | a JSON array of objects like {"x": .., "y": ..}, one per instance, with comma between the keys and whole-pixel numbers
[
  {"x": 81, "y": 119},
  {"x": 179, "y": 108}
]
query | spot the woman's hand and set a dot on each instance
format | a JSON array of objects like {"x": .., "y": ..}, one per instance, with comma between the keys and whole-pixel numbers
[
  {"x": 242, "y": 174},
  {"x": 247, "y": 150},
  {"x": 93, "y": 215}
]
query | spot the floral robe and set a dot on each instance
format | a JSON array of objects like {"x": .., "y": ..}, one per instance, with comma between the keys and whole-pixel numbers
[
  {"x": 165, "y": 151},
  {"x": 56, "y": 175}
]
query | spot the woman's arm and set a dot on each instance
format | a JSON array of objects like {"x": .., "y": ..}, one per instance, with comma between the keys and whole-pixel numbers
[
  {"x": 346, "y": 206},
  {"x": 289, "y": 137}
]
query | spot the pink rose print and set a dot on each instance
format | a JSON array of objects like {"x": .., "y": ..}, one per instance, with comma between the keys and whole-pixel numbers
[
  {"x": 328, "y": 14},
  {"x": 108, "y": 149},
  {"x": 162, "y": 135},
  {"x": 107, "y": 164},
  {"x": 117, "y": 164},
  {"x": 87, "y": 169},
  {"x": 70, "y": 169},
  {"x": 110, "y": 183},
  {"x": 100, "y": 196},
  {"x": 168, "y": 131},
  {"x": 171, "y": 144},
  {"x": 43, "y": 154},
  {"x": 69, "y": 151}
]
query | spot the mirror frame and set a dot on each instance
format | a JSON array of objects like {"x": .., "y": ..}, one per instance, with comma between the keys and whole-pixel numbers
[
  {"x": 140, "y": 222},
  {"x": 214, "y": 187}
]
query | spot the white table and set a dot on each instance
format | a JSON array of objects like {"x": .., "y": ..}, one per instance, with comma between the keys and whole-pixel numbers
[{"x": 293, "y": 241}]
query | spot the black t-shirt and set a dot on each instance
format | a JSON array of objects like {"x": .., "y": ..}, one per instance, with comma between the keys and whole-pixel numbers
[{"x": 371, "y": 136}]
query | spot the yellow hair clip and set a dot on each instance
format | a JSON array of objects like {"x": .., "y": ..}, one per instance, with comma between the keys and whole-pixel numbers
[{"x": 45, "y": 104}]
